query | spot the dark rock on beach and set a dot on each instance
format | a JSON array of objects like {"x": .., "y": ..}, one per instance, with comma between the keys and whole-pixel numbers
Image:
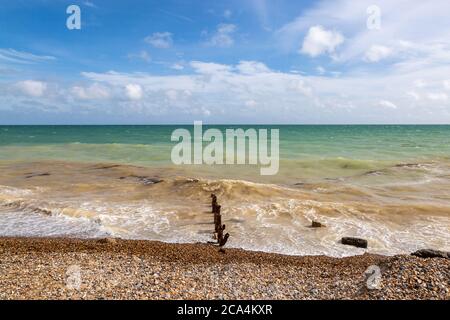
[
  {"x": 316, "y": 224},
  {"x": 104, "y": 167},
  {"x": 32, "y": 175},
  {"x": 107, "y": 241},
  {"x": 430, "y": 253},
  {"x": 407, "y": 165},
  {"x": 356, "y": 242}
]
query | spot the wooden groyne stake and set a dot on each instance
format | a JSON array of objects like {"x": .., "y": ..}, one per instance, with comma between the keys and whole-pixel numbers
[
  {"x": 217, "y": 219},
  {"x": 224, "y": 240},
  {"x": 218, "y": 227},
  {"x": 220, "y": 233},
  {"x": 213, "y": 202}
]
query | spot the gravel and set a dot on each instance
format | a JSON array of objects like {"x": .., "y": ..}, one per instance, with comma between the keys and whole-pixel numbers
[{"x": 61, "y": 268}]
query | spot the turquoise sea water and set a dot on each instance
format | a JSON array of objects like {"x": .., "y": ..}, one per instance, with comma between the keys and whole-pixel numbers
[
  {"x": 318, "y": 150},
  {"x": 308, "y": 141}
]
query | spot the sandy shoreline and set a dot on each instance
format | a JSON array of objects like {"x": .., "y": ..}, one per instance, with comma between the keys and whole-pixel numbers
[{"x": 60, "y": 268}]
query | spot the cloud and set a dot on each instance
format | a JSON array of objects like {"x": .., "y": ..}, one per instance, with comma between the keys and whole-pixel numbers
[
  {"x": 446, "y": 84},
  {"x": 215, "y": 89},
  {"x": 223, "y": 37},
  {"x": 142, "y": 55},
  {"x": 94, "y": 91},
  {"x": 171, "y": 94},
  {"x": 251, "y": 103},
  {"x": 413, "y": 95},
  {"x": 252, "y": 67},
  {"x": 21, "y": 57},
  {"x": 225, "y": 91},
  {"x": 134, "y": 91},
  {"x": 319, "y": 41},
  {"x": 417, "y": 33},
  {"x": 320, "y": 70},
  {"x": 387, "y": 104},
  {"x": 32, "y": 88},
  {"x": 377, "y": 53},
  {"x": 161, "y": 40},
  {"x": 413, "y": 45},
  {"x": 437, "y": 96},
  {"x": 176, "y": 15},
  {"x": 209, "y": 67},
  {"x": 419, "y": 83},
  {"x": 177, "y": 66},
  {"x": 301, "y": 86}
]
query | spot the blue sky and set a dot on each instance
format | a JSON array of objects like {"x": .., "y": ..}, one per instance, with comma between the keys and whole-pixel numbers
[{"x": 252, "y": 61}]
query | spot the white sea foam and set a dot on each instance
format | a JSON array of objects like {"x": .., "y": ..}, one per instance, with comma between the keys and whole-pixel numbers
[
  {"x": 281, "y": 227},
  {"x": 31, "y": 224}
]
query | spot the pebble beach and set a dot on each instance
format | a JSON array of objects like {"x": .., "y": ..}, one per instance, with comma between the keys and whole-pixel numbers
[{"x": 63, "y": 268}]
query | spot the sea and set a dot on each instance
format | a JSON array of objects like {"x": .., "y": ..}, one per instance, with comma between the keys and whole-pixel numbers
[{"x": 389, "y": 184}]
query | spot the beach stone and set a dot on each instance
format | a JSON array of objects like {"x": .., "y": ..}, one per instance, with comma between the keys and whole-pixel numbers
[
  {"x": 430, "y": 253},
  {"x": 356, "y": 242},
  {"x": 108, "y": 241},
  {"x": 316, "y": 224},
  {"x": 37, "y": 175}
]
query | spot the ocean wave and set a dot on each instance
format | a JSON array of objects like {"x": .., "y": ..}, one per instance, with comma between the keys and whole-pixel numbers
[{"x": 117, "y": 200}]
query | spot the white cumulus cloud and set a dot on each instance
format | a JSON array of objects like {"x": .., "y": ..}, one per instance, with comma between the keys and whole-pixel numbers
[
  {"x": 143, "y": 55},
  {"x": 437, "y": 96},
  {"x": 301, "y": 86},
  {"x": 161, "y": 40},
  {"x": 251, "y": 103},
  {"x": 32, "y": 88},
  {"x": 177, "y": 66},
  {"x": 134, "y": 91},
  {"x": 377, "y": 53},
  {"x": 413, "y": 95},
  {"x": 252, "y": 67},
  {"x": 94, "y": 91},
  {"x": 387, "y": 104},
  {"x": 223, "y": 37},
  {"x": 209, "y": 67},
  {"x": 319, "y": 41},
  {"x": 446, "y": 84}
]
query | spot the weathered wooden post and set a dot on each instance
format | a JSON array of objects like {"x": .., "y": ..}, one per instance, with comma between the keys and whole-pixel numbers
[
  {"x": 222, "y": 243},
  {"x": 218, "y": 227},
  {"x": 224, "y": 240},
  {"x": 217, "y": 218},
  {"x": 220, "y": 233},
  {"x": 213, "y": 202}
]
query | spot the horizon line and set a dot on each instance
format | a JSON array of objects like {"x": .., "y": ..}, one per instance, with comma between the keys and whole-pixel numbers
[{"x": 234, "y": 124}]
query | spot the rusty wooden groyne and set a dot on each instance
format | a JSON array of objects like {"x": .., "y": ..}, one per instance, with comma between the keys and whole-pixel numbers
[{"x": 219, "y": 228}]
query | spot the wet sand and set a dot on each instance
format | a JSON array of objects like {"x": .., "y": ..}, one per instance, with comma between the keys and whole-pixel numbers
[{"x": 62, "y": 268}]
